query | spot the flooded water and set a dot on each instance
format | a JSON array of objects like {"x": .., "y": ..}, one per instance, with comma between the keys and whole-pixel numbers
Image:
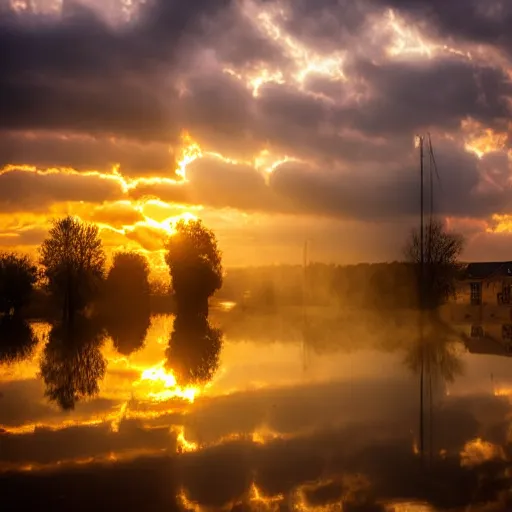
[{"x": 256, "y": 412}]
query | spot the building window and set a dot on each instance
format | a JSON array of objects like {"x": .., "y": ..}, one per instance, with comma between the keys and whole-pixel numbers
[
  {"x": 505, "y": 294},
  {"x": 506, "y": 333},
  {"x": 476, "y": 294},
  {"x": 477, "y": 331}
]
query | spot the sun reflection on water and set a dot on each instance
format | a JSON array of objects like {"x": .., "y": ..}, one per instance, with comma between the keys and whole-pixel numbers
[
  {"x": 161, "y": 385},
  {"x": 182, "y": 444}
]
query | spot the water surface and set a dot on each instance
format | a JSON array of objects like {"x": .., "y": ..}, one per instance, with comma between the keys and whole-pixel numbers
[{"x": 255, "y": 411}]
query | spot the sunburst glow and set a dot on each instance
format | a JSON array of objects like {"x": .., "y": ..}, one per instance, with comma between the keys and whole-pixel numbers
[
  {"x": 190, "y": 151},
  {"x": 182, "y": 444},
  {"x": 481, "y": 140},
  {"x": 162, "y": 385}
]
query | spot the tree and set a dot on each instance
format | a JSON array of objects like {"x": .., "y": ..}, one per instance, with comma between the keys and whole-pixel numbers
[
  {"x": 126, "y": 309},
  {"x": 441, "y": 266},
  {"x": 18, "y": 276},
  {"x": 128, "y": 279},
  {"x": 195, "y": 266},
  {"x": 74, "y": 262}
]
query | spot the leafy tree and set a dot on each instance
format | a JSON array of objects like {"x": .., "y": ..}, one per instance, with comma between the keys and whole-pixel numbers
[
  {"x": 73, "y": 260},
  {"x": 194, "y": 348},
  {"x": 128, "y": 279},
  {"x": 18, "y": 276},
  {"x": 195, "y": 266},
  {"x": 72, "y": 363},
  {"x": 441, "y": 261},
  {"x": 127, "y": 308}
]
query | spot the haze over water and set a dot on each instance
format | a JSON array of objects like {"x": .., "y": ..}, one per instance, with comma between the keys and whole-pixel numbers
[{"x": 285, "y": 422}]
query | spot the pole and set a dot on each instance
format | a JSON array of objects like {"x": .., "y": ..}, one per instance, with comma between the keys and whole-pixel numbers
[
  {"x": 305, "y": 339},
  {"x": 422, "y": 250},
  {"x": 422, "y": 279}
]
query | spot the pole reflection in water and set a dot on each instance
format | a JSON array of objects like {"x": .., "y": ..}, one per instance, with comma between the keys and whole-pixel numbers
[
  {"x": 434, "y": 356},
  {"x": 193, "y": 350},
  {"x": 72, "y": 364}
]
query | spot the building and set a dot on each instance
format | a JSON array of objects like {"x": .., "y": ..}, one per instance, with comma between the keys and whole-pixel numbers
[{"x": 483, "y": 304}]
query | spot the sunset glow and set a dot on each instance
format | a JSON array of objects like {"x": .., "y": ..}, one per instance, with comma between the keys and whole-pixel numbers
[
  {"x": 481, "y": 140},
  {"x": 161, "y": 385},
  {"x": 278, "y": 84},
  {"x": 190, "y": 151}
]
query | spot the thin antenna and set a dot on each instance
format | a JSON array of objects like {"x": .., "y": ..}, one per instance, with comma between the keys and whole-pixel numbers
[
  {"x": 305, "y": 326},
  {"x": 433, "y": 156},
  {"x": 422, "y": 279},
  {"x": 422, "y": 249}
]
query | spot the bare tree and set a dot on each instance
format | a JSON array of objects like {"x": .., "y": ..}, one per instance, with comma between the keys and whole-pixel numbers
[
  {"x": 195, "y": 266},
  {"x": 441, "y": 251},
  {"x": 18, "y": 276},
  {"x": 74, "y": 261}
]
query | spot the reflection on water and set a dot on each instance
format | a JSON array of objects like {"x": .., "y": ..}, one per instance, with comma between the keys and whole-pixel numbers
[
  {"x": 193, "y": 351},
  {"x": 17, "y": 339},
  {"x": 225, "y": 414},
  {"x": 128, "y": 330},
  {"x": 72, "y": 364}
]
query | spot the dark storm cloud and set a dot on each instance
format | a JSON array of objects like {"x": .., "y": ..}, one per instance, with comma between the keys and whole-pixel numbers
[
  {"x": 326, "y": 24},
  {"x": 438, "y": 93},
  {"x": 169, "y": 70},
  {"x": 384, "y": 191},
  {"x": 80, "y": 74},
  {"x": 30, "y": 191},
  {"x": 51, "y": 149},
  {"x": 482, "y": 22}
]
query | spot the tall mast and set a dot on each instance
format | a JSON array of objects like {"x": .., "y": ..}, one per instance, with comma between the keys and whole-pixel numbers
[
  {"x": 422, "y": 241},
  {"x": 422, "y": 279},
  {"x": 305, "y": 326}
]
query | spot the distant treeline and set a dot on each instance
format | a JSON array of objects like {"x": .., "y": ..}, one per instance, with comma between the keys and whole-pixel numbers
[{"x": 378, "y": 285}]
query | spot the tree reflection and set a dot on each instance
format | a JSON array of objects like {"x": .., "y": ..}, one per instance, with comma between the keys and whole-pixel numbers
[
  {"x": 17, "y": 339},
  {"x": 436, "y": 352},
  {"x": 194, "y": 348},
  {"x": 128, "y": 330},
  {"x": 72, "y": 364}
]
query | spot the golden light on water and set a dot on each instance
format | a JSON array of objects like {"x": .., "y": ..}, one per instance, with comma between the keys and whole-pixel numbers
[
  {"x": 182, "y": 444},
  {"x": 477, "y": 452},
  {"x": 161, "y": 385},
  {"x": 257, "y": 498},
  {"x": 409, "y": 506}
]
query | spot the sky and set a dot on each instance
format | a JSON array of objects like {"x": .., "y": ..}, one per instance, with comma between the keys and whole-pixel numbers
[{"x": 273, "y": 121}]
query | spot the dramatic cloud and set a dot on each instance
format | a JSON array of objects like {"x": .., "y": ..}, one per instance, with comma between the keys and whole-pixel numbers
[
  {"x": 300, "y": 108},
  {"x": 32, "y": 190}
]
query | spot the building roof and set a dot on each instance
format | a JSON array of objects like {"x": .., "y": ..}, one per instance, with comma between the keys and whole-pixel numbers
[{"x": 485, "y": 270}]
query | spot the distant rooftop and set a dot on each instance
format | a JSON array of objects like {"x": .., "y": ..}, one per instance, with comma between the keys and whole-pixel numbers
[{"x": 485, "y": 270}]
